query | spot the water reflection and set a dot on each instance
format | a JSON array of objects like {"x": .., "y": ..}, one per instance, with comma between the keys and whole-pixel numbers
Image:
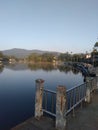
[
  {"x": 67, "y": 69},
  {"x": 17, "y": 67},
  {"x": 50, "y": 67},
  {"x": 1, "y": 68},
  {"x": 45, "y": 67},
  {"x": 38, "y": 66}
]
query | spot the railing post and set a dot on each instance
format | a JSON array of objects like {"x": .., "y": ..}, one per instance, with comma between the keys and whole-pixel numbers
[
  {"x": 94, "y": 83},
  {"x": 38, "y": 98},
  {"x": 97, "y": 82},
  {"x": 96, "y": 70},
  {"x": 60, "y": 108},
  {"x": 88, "y": 91}
]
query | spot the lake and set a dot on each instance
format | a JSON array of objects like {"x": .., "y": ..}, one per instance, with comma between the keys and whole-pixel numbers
[{"x": 17, "y": 88}]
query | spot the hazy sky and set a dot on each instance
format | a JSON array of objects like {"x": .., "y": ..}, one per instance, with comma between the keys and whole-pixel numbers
[{"x": 53, "y": 25}]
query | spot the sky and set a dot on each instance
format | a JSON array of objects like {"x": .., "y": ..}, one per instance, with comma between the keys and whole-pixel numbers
[{"x": 52, "y": 25}]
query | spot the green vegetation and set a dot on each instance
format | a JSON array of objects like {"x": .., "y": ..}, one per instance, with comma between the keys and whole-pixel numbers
[
  {"x": 46, "y": 57},
  {"x": 96, "y": 44},
  {"x": 49, "y": 57},
  {"x": 69, "y": 57},
  {"x": 1, "y": 55}
]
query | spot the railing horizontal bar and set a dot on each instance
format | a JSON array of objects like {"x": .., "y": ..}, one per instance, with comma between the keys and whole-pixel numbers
[
  {"x": 52, "y": 114},
  {"x": 75, "y": 87},
  {"x": 46, "y": 90}
]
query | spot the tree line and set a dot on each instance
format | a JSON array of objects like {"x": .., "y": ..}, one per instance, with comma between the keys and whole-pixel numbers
[{"x": 49, "y": 57}]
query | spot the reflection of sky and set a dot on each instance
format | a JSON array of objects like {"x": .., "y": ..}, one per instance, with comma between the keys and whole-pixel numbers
[{"x": 17, "y": 89}]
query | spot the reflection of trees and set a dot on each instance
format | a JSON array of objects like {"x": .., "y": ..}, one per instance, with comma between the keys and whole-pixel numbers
[
  {"x": 17, "y": 67},
  {"x": 67, "y": 69},
  {"x": 38, "y": 66},
  {"x": 1, "y": 68},
  {"x": 75, "y": 71},
  {"x": 50, "y": 67},
  {"x": 44, "y": 66}
]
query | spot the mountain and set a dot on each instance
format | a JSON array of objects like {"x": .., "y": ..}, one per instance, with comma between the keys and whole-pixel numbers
[{"x": 23, "y": 53}]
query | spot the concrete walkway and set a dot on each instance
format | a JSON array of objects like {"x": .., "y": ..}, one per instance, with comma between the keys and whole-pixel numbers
[
  {"x": 86, "y": 118},
  {"x": 45, "y": 123}
]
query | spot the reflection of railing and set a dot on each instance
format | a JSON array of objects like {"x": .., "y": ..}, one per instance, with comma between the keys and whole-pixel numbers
[{"x": 59, "y": 104}]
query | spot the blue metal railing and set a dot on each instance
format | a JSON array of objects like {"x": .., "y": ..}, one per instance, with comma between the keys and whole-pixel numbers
[
  {"x": 74, "y": 97},
  {"x": 49, "y": 102}
]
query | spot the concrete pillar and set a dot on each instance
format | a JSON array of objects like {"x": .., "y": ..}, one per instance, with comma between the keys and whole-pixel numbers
[
  {"x": 97, "y": 82},
  {"x": 96, "y": 71},
  {"x": 88, "y": 95},
  {"x": 88, "y": 79},
  {"x": 38, "y": 98},
  {"x": 88, "y": 91},
  {"x": 61, "y": 108}
]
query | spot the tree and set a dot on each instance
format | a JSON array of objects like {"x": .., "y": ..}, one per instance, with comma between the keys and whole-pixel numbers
[
  {"x": 95, "y": 49},
  {"x": 34, "y": 57},
  {"x": 1, "y": 55},
  {"x": 96, "y": 44},
  {"x": 47, "y": 57}
]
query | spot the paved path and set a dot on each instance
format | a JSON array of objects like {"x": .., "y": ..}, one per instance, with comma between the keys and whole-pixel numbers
[
  {"x": 44, "y": 123},
  {"x": 85, "y": 119}
]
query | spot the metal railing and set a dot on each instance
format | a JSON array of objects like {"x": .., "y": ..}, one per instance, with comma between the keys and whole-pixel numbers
[
  {"x": 74, "y": 97},
  {"x": 77, "y": 94},
  {"x": 49, "y": 102}
]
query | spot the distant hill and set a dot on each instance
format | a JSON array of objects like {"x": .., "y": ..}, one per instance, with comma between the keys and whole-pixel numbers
[{"x": 23, "y": 53}]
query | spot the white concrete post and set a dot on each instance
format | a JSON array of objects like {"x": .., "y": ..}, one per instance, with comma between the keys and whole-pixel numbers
[
  {"x": 97, "y": 82},
  {"x": 61, "y": 108},
  {"x": 88, "y": 93},
  {"x": 38, "y": 98},
  {"x": 88, "y": 96}
]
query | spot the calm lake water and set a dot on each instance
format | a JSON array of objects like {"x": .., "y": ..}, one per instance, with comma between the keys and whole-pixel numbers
[{"x": 17, "y": 89}]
